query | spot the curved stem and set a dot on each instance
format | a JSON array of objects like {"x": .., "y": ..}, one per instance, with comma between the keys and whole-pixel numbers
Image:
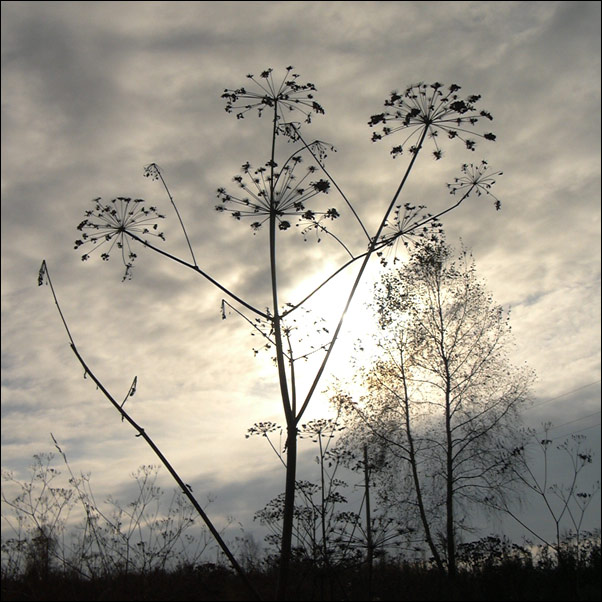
[
  {"x": 336, "y": 238},
  {"x": 142, "y": 433}
]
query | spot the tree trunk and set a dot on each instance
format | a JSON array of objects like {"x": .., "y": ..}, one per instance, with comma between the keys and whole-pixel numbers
[
  {"x": 449, "y": 477},
  {"x": 369, "y": 542},
  {"x": 414, "y": 467}
]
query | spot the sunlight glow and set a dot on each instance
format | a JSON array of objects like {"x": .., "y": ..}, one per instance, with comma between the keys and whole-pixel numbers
[{"x": 318, "y": 320}]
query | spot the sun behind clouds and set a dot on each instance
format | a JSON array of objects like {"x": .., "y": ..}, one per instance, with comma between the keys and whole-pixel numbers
[{"x": 312, "y": 327}]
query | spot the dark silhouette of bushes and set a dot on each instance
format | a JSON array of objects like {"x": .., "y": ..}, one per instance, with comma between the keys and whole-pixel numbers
[{"x": 511, "y": 578}]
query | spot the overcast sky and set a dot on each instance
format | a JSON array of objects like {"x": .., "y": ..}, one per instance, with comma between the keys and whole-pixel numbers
[{"x": 94, "y": 91}]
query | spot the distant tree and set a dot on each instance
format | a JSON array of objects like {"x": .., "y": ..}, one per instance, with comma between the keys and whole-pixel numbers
[
  {"x": 277, "y": 192},
  {"x": 442, "y": 400}
]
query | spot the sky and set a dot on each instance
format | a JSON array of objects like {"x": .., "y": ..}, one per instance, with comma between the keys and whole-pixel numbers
[{"x": 94, "y": 91}]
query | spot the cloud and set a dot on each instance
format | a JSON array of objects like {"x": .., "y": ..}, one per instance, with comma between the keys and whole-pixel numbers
[{"x": 92, "y": 92}]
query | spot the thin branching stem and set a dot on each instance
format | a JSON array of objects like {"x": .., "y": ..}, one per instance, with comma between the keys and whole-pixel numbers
[
  {"x": 329, "y": 176},
  {"x": 198, "y": 270},
  {"x": 44, "y": 273},
  {"x": 372, "y": 249},
  {"x": 178, "y": 214},
  {"x": 255, "y": 327}
]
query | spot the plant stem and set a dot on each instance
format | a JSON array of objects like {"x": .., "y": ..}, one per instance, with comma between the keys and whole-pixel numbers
[
  {"x": 178, "y": 214},
  {"x": 291, "y": 441},
  {"x": 369, "y": 543},
  {"x": 142, "y": 433},
  {"x": 371, "y": 249},
  {"x": 198, "y": 270}
]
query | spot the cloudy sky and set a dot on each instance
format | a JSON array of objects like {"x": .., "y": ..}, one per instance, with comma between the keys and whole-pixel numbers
[{"x": 94, "y": 91}]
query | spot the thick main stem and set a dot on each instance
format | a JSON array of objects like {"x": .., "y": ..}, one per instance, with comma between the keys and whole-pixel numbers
[
  {"x": 288, "y": 516},
  {"x": 291, "y": 430}
]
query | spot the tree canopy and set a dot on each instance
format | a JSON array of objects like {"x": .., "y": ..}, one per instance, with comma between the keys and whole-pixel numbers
[{"x": 442, "y": 399}]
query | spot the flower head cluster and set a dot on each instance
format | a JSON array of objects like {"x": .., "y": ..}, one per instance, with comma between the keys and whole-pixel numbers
[
  {"x": 409, "y": 224},
  {"x": 320, "y": 428},
  {"x": 429, "y": 110},
  {"x": 476, "y": 177},
  {"x": 286, "y": 96},
  {"x": 265, "y": 192},
  {"x": 152, "y": 171},
  {"x": 111, "y": 226},
  {"x": 263, "y": 429}
]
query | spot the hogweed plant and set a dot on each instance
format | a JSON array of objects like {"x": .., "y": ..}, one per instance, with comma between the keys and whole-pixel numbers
[
  {"x": 324, "y": 532},
  {"x": 564, "y": 503},
  {"x": 107, "y": 225},
  {"x": 288, "y": 187}
]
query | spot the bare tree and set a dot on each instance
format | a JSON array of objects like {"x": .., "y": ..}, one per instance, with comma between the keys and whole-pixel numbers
[
  {"x": 442, "y": 398},
  {"x": 275, "y": 193}
]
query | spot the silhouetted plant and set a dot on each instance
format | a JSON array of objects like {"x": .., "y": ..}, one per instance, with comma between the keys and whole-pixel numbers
[
  {"x": 428, "y": 110},
  {"x": 147, "y": 534},
  {"x": 109, "y": 225},
  {"x": 270, "y": 196},
  {"x": 381, "y": 534},
  {"x": 492, "y": 551},
  {"x": 36, "y": 517},
  {"x": 566, "y": 502},
  {"x": 323, "y": 529}
]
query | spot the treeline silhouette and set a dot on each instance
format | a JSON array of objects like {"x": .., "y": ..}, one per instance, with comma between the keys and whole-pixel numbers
[
  {"x": 151, "y": 549},
  {"x": 496, "y": 574}
]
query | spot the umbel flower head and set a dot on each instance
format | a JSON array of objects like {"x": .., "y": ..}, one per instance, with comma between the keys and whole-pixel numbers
[
  {"x": 111, "y": 226},
  {"x": 286, "y": 96},
  {"x": 477, "y": 178},
  {"x": 409, "y": 223},
  {"x": 265, "y": 191},
  {"x": 422, "y": 107}
]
